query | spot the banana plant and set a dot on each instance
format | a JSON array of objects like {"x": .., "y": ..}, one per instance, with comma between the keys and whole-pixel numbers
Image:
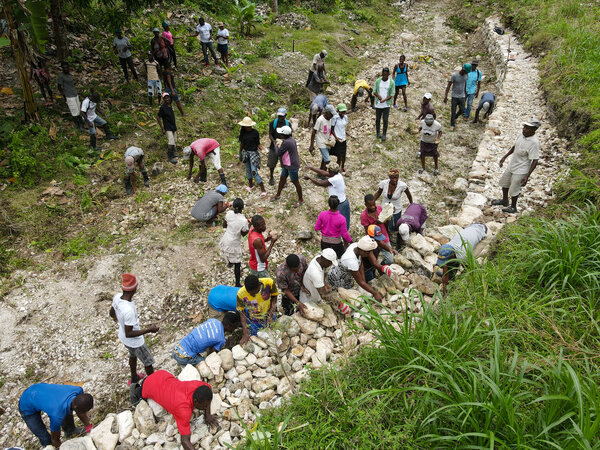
[{"x": 244, "y": 11}]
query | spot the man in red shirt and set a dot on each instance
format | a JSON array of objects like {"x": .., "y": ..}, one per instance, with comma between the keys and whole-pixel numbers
[
  {"x": 202, "y": 148},
  {"x": 178, "y": 398},
  {"x": 259, "y": 253}
]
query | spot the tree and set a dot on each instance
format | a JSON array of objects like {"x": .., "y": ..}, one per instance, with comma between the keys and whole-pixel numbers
[
  {"x": 275, "y": 7},
  {"x": 59, "y": 30}
]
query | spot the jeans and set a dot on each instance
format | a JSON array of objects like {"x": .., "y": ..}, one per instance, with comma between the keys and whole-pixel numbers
[
  {"x": 470, "y": 98},
  {"x": 344, "y": 209},
  {"x": 252, "y": 171},
  {"x": 208, "y": 46},
  {"x": 97, "y": 121},
  {"x": 393, "y": 226},
  {"x": 456, "y": 103},
  {"x": 125, "y": 62},
  {"x": 36, "y": 425},
  {"x": 379, "y": 112},
  {"x": 194, "y": 361}
]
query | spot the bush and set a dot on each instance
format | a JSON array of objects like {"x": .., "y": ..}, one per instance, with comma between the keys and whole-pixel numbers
[{"x": 28, "y": 154}]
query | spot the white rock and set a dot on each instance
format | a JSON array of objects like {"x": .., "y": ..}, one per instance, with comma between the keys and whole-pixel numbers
[
  {"x": 226, "y": 359},
  {"x": 214, "y": 363},
  {"x": 325, "y": 345},
  {"x": 261, "y": 338},
  {"x": 418, "y": 242},
  {"x": 215, "y": 404},
  {"x": 225, "y": 439},
  {"x": 144, "y": 418},
  {"x": 102, "y": 435},
  {"x": 125, "y": 424},
  {"x": 238, "y": 353},
  {"x": 448, "y": 231},
  {"x": 467, "y": 216},
  {"x": 204, "y": 370},
  {"x": 264, "y": 362},
  {"x": 307, "y": 326},
  {"x": 80, "y": 443},
  {"x": 289, "y": 325},
  {"x": 251, "y": 359},
  {"x": 155, "y": 438},
  {"x": 461, "y": 184},
  {"x": 189, "y": 373},
  {"x": 158, "y": 410},
  {"x": 313, "y": 311},
  {"x": 474, "y": 199}
]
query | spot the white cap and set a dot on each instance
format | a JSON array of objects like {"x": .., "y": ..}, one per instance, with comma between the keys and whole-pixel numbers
[
  {"x": 485, "y": 107},
  {"x": 330, "y": 255},
  {"x": 324, "y": 52},
  {"x": 427, "y": 95},
  {"x": 404, "y": 231},
  {"x": 187, "y": 151},
  {"x": 129, "y": 162},
  {"x": 367, "y": 243},
  {"x": 533, "y": 123},
  {"x": 285, "y": 130}
]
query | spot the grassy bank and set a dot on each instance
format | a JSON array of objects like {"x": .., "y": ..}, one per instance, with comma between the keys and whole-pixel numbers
[{"x": 509, "y": 361}]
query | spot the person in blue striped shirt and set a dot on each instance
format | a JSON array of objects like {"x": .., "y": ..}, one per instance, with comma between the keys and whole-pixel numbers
[{"x": 208, "y": 336}]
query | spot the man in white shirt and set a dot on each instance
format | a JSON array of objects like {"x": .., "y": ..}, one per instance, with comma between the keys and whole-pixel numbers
[
  {"x": 223, "y": 43},
  {"x": 383, "y": 91},
  {"x": 318, "y": 58},
  {"x": 322, "y": 131},
  {"x": 338, "y": 129},
  {"x": 204, "y": 34},
  {"x": 124, "y": 312},
  {"x": 91, "y": 119},
  {"x": 525, "y": 155},
  {"x": 314, "y": 287}
]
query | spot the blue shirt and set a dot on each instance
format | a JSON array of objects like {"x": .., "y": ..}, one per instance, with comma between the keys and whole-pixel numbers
[
  {"x": 53, "y": 399},
  {"x": 401, "y": 77},
  {"x": 209, "y": 334},
  {"x": 472, "y": 79},
  {"x": 320, "y": 100},
  {"x": 223, "y": 298},
  {"x": 487, "y": 97}
]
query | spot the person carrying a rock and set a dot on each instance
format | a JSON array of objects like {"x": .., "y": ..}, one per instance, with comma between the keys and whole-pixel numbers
[
  {"x": 290, "y": 163},
  {"x": 279, "y": 122},
  {"x": 124, "y": 312},
  {"x": 486, "y": 104},
  {"x": 91, "y": 119},
  {"x": 289, "y": 281},
  {"x": 202, "y": 148},
  {"x": 412, "y": 221},
  {"x": 455, "y": 252},
  {"x": 259, "y": 253},
  {"x": 431, "y": 132},
  {"x": 168, "y": 126},
  {"x": 360, "y": 87},
  {"x": 58, "y": 402},
  {"x": 458, "y": 83},
  {"x": 207, "y": 337},
  {"x": 318, "y": 58},
  {"x": 332, "y": 179},
  {"x": 352, "y": 267},
  {"x": 333, "y": 228},
  {"x": 256, "y": 303},
  {"x": 236, "y": 225},
  {"x": 391, "y": 191},
  {"x": 314, "y": 287},
  {"x": 66, "y": 86},
  {"x": 134, "y": 155},
  {"x": 384, "y": 91},
  {"x": 122, "y": 48},
  {"x": 178, "y": 398},
  {"x": 426, "y": 107},
  {"x": 249, "y": 139},
  {"x": 525, "y": 155},
  {"x": 210, "y": 205}
]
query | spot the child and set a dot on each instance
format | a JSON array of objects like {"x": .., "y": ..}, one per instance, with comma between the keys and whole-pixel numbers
[
  {"x": 42, "y": 78},
  {"x": 236, "y": 226},
  {"x": 154, "y": 85},
  {"x": 123, "y": 311},
  {"x": 133, "y": 155}
]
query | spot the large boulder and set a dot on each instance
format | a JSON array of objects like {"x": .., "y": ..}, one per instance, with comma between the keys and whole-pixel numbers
[
  {"x": 329, "y": 319},
  {"x": 144, "y": 418},
  {"x": 125, "y": 424},
  {"x": 467, "y": 216},
  {"x": 420, "y": 244},
  {"x": 289, "y": 325},
  {"x": 476, "y": 200},
  {"x": 103, "y": 437},
  {"x": 419, "y": 264},
  {"x": 80, "y": 443},
  {"x": 449, "y": 231},
  {"x": 307, "y": 326},
  {"x": 313, "y": 311},
  {"x": 226, "y": 359},
  {"x": 423, "y": 284},
  {"x": 158, "y": 410},
  {"x": 350, "y": 296},
  {"x": 204, "y": 371},
  {"x": 189, "y": 373},
  {"x": 214, "y": 363}
]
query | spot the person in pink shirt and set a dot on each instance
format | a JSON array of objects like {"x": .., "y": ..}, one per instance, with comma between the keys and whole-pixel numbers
[
  {"x": 332, "y": 226},
  {"x": 171, "y": 42},
  {"x": 202, "y": 148}
]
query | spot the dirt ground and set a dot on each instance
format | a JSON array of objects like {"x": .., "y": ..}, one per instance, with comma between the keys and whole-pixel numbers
[{"x": 57, "y": 327}]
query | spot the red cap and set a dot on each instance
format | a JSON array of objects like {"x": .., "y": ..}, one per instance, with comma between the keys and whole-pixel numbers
[{"x": 129, "y": 282}]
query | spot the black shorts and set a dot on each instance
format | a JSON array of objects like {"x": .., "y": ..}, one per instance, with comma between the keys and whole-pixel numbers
[{"x": 339, "y": 149}]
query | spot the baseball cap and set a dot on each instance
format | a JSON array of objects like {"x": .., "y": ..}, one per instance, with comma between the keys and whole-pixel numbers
[
  {"x": 445, "y": 253},
  {"x": 330, "y": 109},
  {"x": 156, "y": 30},
  {"x": 342, "y": 107},
  {"x": 485, "y": 107},
  {"x": 467, "y": 67},
  {"x": 330, "y": 254},
  {"x": 166, "y": 94},
  {"x": 367, "y": 243},
  {"x": 129, "y": 162},
  {"x": 284, "y": 130},
  {"x": 324, "y": 52},
  {"x": 404, "y": 231},
  {"x": 533, "y": 123},
  {"x": 222, "y": 189},
  {"x": 427, "y": 95},
  {"x": 187, "y": 151},
  {"x": 375, "y": 232},
  {"x": 281, "y": 112}
]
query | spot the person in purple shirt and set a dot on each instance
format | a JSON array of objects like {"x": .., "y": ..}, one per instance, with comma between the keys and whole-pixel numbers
[
  {"x": 208, "y": 336},
  {"x": 413, "y": 220},
  {"x": 290, "y": 162},
  {"x": 58, "y": 402},
  {"x": 333, "y": 228}
]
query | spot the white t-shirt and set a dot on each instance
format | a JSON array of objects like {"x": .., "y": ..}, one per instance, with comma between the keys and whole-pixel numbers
[
  {"x": 222, "y": 36},
  {"x": 339, "y": 126},
  {"x": 127, "y": 315},
  {"x": 323, "y": 128},
  {"x": 384, "y": 87},
  {"x": 349, "y": 260},
  {"x": 204, "y": 32},
  {"x": 122, "y": 47},
  {"x": 88, "y": 107},
  {"x": 429, "y": 133},
  {"x": 314, "y": 278},
  {"x": 134, "y": 152},
  {"x": 526, "y": 150},
  {"x": 396, "y": 199},
  {"x": 338, "y": 187},
  {"x": 316, "y": 60},
  {"x": 236, "y": 223}
]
